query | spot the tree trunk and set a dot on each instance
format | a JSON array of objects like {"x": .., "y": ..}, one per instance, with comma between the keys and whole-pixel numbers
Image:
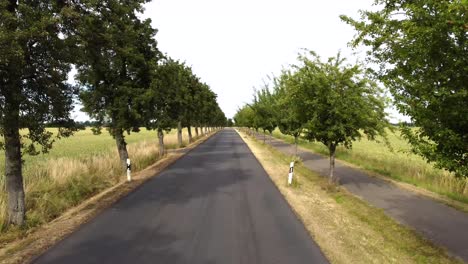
[
  {"x": 332, "y": 148},
  {"x": 13, "y": 170},
  {"x": 121, "y": 147},
  {"x": 179, "y": 134},
  {"x": 196, "y": 131},
  {"x": 161, "y": 142},
  {"x": 295, "y": 143},
  {"x": 189, "y": 128}
]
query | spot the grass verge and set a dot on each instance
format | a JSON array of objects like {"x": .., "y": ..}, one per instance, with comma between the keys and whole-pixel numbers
[
  {"x": 397, "y": 164},
  {"x": 77, "y": 169},
  {"x": 347, "y": 229}
]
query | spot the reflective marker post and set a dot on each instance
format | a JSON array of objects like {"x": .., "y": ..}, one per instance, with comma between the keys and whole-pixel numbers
[
  {"x": 291, "y": 172},
  {"x": 129, "y": 171}
]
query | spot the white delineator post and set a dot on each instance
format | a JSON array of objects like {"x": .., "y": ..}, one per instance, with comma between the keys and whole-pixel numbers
[
  {"x": 291, "y": 173},
  {"x": 129, "y": 171}
]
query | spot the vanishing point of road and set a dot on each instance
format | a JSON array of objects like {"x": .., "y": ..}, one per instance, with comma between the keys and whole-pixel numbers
[{"x": 216, "y": 204}]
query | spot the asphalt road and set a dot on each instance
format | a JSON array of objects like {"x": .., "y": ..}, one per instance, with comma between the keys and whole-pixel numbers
[
  {"x": 443, "y": 225},
  {"x": 214, "y": 205}
]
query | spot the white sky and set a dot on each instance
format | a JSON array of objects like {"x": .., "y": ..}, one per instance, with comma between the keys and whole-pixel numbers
[{"x": 234, "y": 45}]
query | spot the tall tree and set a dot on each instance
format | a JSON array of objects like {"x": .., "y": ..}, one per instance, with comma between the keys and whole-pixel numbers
[
  {"x": 422, "y": 49},
  {"x": 288, "y": 106},
  {"x": 207, "y": 107},
  {"x": 116, "y": 64},
  {"x": 162, "y": 106},
  {"x": 244, "y": 117},
  {"x": 263, "y": 107},
  {"x": 341, "y": 104},
  {"x": 187, "y": 89},
  {"x": 34, "y": 63}
]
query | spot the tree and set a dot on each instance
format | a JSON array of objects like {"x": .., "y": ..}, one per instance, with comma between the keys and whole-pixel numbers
[
  {"x": 263, "y": 107},
  {"x": 178, "y": 98},
  {"x": 159, "y": 101},
  {"x": 244, "y": 117},
  {"x": 422, "y": 50},
  {"x": 289, "y": 106},
  {"x": 207, "y": 106},
  {"x": 169, "y": 100},
  {"x": 218, "y": 119},
  {"x": 181, "y": 101},
  {"x": 341, "y": 104},
  {"x": 116, "y": 65},
  {"x": 191, "y": 97},
  {"x": 34, "y": 62}
]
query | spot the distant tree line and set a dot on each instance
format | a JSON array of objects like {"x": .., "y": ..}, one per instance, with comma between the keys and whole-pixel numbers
[{"x": 124, "y": 81}]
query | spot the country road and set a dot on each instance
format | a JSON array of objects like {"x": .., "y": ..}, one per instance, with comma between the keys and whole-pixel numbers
[{"x": 214, "y": 205}]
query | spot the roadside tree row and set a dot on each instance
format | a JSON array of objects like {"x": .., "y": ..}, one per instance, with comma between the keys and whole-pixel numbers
[
  {"x": 325, "y": 101},
  {"x": 418, "y": 50},
  {"x": 123, "y": 81}
]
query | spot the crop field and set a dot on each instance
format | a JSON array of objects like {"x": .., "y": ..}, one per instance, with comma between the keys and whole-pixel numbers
[
  {"x": 77, "y": 168},
  {"x": 395, "y": 162}
]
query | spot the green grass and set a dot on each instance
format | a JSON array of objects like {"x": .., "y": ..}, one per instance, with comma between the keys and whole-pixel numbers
[
  {"x": 396, "y": 163},
  {"x": 75, "y": 169}
]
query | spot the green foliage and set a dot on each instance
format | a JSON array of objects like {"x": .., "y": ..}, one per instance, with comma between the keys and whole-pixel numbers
[
  {"x": 34, "y": 63},
  {"x": 123, "y": 83},
  {"x": 177, "y": 94},
  {"x": 161, "y": 105},
  {"x": 422, "y": 50},
  {"x": 340, "y": 102},
  {"x": 264, "y": 110},
  {"x": 118, "y": 55},
  {"x": 244, "y": 117},
  {"x": 288, "y": 105},
  {"x": 328, "y": 102}
]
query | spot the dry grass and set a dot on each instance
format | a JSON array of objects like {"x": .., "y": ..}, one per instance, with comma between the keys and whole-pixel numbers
[
  {"x": 37, "y": 240},
  {"x": 347, "y": 229},
  {"x": 396, "y": 163},
  {"x": 77, "y": 168}
]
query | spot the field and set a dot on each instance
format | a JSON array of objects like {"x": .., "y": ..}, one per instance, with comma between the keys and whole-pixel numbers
[
  {"x": 77, "y": 168},
  {"x": 395, "y": 162}
]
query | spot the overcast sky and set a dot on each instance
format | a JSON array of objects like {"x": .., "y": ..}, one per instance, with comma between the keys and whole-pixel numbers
[{"x": 234, "y": 45}]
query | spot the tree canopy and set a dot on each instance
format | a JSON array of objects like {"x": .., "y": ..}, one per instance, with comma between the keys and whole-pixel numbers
[
  {"x": 421, "y": 50},
  {"x": 35, "y": 59},
  {"x": 330, "y": 102},
  {"x": 115, "y": 65},
  {"x": 123, "y": 80}
]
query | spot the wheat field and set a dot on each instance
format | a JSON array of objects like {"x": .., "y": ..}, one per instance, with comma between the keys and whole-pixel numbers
[{"x": 77, "y": 168}]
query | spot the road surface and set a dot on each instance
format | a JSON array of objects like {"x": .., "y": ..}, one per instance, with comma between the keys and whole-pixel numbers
[
  {"x": 444, "y": 225},
  {"x": 214, "y": 205}
]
